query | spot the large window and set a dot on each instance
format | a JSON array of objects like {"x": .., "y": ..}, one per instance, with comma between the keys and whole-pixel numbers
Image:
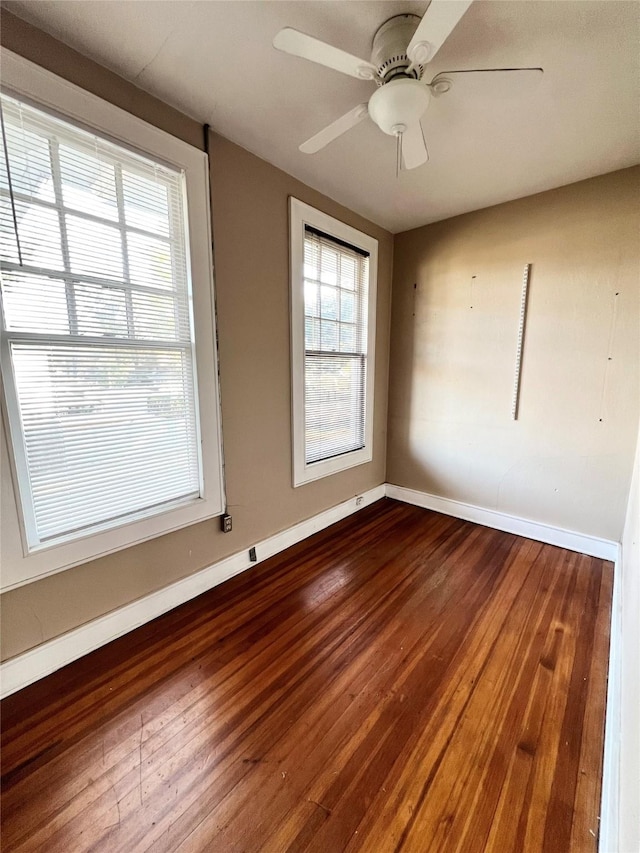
[
  {"x": 333, "y": 276},
  {"x": 100, "y": 353}
]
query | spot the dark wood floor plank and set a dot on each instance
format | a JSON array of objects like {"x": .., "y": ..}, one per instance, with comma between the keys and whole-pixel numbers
[
  {"x": 402, "y": 681},
  {"x": 532, "y": 756},
  {"x": 498, "y": 692},
  {"x": 586, "y": 812}
]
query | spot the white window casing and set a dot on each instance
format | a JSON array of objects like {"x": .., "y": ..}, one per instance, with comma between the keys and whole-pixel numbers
[
  {"x": 333, "y": 269},
  {"x": 109, "y": 365}
]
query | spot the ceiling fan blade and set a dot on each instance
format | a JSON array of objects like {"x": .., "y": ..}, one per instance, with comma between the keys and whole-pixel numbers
[
  {"x": 435, "y": 27},
  {"x": 296, "y": 43},
  {"x": 334, "y": 130},
  {"x": 414, "y": 148},
  {"x": 503, "y": 80}
]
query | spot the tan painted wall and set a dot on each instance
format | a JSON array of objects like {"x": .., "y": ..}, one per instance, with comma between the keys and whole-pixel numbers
[
  {"x": 250, "y": 224},
  {"x": 453, "y": 343}
]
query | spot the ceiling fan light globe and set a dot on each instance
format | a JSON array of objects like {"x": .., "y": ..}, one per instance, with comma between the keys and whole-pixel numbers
[{"x": 400, "y": 102}]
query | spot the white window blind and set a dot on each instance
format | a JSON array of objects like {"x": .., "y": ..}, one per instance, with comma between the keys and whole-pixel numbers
[
  {"x": 336, "y": 279},
  {"x": 98, "y": 346}
]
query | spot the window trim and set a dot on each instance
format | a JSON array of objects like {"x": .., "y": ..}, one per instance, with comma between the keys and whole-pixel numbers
[
  {"x": 300, "y": 215},
  {"x": 22, "y": 564}
]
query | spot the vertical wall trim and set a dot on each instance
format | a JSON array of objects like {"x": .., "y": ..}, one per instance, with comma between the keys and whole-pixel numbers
[{"x": 610, "y": 803}]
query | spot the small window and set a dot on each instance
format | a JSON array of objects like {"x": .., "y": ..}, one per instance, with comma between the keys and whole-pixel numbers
[
  {"x": 333, "y": 278},
  {"x": 100, "y": 352}
]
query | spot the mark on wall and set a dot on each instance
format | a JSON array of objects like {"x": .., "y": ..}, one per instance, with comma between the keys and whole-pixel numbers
[{"x": 612, "y": 332}]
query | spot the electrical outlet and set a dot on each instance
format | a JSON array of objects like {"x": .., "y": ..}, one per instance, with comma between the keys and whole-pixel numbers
[
  {"x": 227, "y": 524},
  {"x": 252, "y": 555},
  {"x": 359, "y": 500}
]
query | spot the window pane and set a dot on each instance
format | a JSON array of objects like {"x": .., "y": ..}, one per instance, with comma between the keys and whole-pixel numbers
[
  {"x": 34, "y": 303},
  {"x": 146, "y": 203},
  {"x": 39, "y": 233},
  {"x": 8, "y": 240},
  {"x": 155, "y": 316},
  {"x": 329, "y": 303},
  {"x": 311, "y": 257},
  {"x": 311, "y": 333},
  {"x": 101, "y": 311},
  {"x": 28, "y": 158},
  {"x": 328, "y": 266},
  {"x": 149, "y": 261},
  {"x": 311, "y": 305},
  {"x": 88, "y": 184},
  {"x": 94, "y": 248},
  {"x": 347, "y": 307},
  {"x": 334, "y": 405},
  {"x": 348, "y": 273},
  {"x": 347, "y": 338},
  {"x": 328, "y": 335}
]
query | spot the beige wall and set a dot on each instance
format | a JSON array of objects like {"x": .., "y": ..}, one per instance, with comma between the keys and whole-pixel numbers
[
  {"x": 250, "y": 225},
  {"x": 453, "y": 343}
]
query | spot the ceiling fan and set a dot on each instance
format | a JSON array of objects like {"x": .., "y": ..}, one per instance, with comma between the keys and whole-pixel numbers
[{"x": 402, "y": 48}]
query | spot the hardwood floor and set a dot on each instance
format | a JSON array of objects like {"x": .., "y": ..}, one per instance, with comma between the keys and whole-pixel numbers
[{"x": 403, "y": 681}]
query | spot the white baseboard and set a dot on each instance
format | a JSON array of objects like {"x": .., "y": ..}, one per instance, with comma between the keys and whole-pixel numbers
[
  {"x": 24, "y": 669},
  {"x": 603, "y": 548},
  {"x": 608, "y": 841}
]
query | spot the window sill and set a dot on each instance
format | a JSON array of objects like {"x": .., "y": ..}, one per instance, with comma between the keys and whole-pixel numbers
[{"x": 317, "y": 470}]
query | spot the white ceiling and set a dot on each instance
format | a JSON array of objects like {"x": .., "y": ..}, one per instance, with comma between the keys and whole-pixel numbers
[{"x": 215, "y": 61}]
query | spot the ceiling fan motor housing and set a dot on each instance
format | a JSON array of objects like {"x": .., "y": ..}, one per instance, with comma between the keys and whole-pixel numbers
[{"x": 389, "y": 52}]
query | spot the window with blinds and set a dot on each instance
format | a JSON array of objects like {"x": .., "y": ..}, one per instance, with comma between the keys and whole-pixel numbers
[
  {"x": 335, "y": 322},
  {"x": 98, "y": 343},
  {"x": 333, "y": 307}
]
